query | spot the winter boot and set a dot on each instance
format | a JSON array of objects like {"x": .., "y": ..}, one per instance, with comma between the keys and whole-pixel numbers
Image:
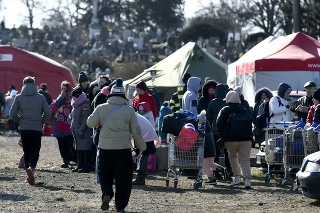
[
  {"x": 65, "y": 164},
  {"x": 86, "y": 162},
  {"x": 212, "y": 180},
  {"x": 139, "y": 181},
  {"x": 80, "y": 161},
  {"x": 223, "y": 171}
]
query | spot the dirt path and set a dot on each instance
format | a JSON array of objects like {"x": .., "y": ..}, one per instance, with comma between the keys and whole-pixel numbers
[{"x": 60, "y": 190}]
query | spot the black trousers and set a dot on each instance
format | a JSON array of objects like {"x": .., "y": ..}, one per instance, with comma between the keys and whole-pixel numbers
[
  {"x": 116, "y": 165},
  {"x": 13, "y": 126},
  {"x": 31, "y": 141},
  {"x": 226, "y": 154},
  {"x": 65, "y": 147}
]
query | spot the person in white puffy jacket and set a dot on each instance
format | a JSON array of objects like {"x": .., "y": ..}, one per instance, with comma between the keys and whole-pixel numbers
[
  {"x": 144, "y": 110},
  {"x": 149, "y": 136},
  {"x": 279, "y": 108}
]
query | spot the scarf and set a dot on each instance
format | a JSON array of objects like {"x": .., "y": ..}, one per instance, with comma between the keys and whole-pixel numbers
[
  {"x": 76, "y": 102},
  {"x": 211, "y": 96}
]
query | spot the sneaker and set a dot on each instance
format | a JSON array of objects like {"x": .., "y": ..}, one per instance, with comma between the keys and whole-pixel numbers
[
  {"x": 236, "y": 181},
  {"x": 105, "y": 202},
  {"x": 247, "y": 184},
  {"x": 30, "y": 177},
  {"x": 10, "y": 133},
  {"x": 64, "y": 165}
]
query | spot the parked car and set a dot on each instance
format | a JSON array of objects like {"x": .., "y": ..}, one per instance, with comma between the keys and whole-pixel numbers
[
  {"x": 260, "y": 157},
  {"x": 309, "y": 176}
]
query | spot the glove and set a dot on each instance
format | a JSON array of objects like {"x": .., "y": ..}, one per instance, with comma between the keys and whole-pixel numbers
[
  {"x": 63, "y": 94},
  {"x": 81, "y": 135}
]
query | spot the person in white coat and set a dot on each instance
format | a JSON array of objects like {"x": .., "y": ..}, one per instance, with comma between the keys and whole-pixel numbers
[
  {"x": 279, "y": 108},
  {"x": 149, "y": 136}
]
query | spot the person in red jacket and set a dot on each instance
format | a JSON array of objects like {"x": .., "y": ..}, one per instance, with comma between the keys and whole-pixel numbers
[{"x": 144, "y": 96}]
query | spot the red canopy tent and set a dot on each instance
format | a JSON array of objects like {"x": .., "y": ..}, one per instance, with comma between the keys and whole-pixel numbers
[
  {"x": 294, "y": 52},
  {"x": 16, "y": 64},
  {"x": 293, "y": 59}
]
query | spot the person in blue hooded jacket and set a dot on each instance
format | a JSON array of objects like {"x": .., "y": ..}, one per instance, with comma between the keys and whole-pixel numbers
[
  {"x": 164, "y": 110},
  {"x": 190, "y": 97}
]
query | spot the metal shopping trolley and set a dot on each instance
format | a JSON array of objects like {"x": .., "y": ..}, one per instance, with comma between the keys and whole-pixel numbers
[
  {"x": 190, "y": 157},
  {"x": 311, "y": 145},
  {"x": 293, "y": 152},
  {"x": 273, "y": 151},
  {"x": 311, "y": 142}
]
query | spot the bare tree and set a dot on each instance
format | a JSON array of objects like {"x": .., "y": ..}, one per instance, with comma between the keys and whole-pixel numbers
[{"x": 31, "y": 6}]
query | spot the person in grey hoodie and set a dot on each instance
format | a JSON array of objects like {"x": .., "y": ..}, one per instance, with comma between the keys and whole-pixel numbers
[
  {"x": 190, "y": 97},
  {"x": 31, "y": 111}
]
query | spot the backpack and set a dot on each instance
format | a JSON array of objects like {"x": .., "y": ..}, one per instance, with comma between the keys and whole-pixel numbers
[
  {"x": 263, "y": 114},
  {"x": 187, "y": 137},
  {"x": 240, "y": 122}
]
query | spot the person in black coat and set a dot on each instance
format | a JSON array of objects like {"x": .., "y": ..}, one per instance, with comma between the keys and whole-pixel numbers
[
  {"x": 243, "y": 103},
  {"x": 43, "y": 91},
  {"x": 263, "y": 94},
  {"x": 215, "y": 105},
  {"x": 208, "y": 91},
  {"x": 239, "y": 148}
]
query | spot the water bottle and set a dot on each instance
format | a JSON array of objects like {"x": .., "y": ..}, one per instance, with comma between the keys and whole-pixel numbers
[{"x": 199, "y": 155}]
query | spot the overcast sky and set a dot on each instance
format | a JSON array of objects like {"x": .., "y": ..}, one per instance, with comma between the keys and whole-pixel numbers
[{"x": 14, "y": 12}]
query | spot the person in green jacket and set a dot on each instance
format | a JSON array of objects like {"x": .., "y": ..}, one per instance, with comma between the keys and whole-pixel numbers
[{"x": 115, "y": 160}]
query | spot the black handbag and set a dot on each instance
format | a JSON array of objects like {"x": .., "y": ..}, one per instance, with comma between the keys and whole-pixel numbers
[
  {"x": 96, "y": 132},
  {"x": 95, "y": 136}
]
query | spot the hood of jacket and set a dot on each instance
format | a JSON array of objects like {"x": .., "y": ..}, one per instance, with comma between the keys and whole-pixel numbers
[
  {"x": 283, "y": 87},
  {"x": 193, "y": 84},
  {"x": 206, "y": 86},
  {"x": 116, "y": 100},
  {"x": 221, "y": 91},
  {"x": 145, "y": 106},
  {"x": 29, "y": 89},
  {"x": 257, "y": 96}
]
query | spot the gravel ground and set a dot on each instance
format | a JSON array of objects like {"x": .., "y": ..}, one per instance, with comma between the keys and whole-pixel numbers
[{"x": 60, "y": 190}]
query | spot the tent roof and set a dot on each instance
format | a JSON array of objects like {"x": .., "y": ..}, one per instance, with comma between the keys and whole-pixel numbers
[
  {"x": 294, "y": 52},
  {"x": 15, "y": 64},
  {"x": 189, "y": 58}
]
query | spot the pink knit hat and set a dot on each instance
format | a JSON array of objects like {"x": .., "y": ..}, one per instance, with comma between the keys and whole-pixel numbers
[{"x": 105, "y": 91}]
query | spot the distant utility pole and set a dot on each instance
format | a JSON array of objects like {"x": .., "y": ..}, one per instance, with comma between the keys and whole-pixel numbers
[{"x": 296, "y": 16}]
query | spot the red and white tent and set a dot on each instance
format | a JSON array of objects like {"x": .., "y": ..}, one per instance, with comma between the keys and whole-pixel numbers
[
  {"x": 293, "y": 59},
  {"x": 16, "y": 64}
]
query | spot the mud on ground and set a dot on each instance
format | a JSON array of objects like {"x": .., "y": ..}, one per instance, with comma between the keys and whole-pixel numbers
[{"x": 60, "y": 190}]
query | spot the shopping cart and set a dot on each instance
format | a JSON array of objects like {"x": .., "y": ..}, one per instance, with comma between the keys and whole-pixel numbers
[
  {"x": 311, "y": 142},
  {"x": 273, "y": 151},
  {"x": 311, "y": 145},
  {"x": 185, "y": 158},
  {"x": 293, "y": 152}
]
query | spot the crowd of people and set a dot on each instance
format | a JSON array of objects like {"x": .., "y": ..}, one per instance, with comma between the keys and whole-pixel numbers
[{"x": 102, "y": 105}]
